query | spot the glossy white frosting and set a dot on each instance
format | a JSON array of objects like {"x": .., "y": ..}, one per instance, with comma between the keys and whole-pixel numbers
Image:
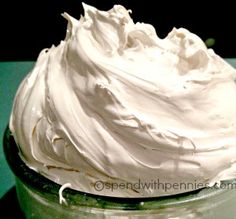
[{"x": 113, "y": 102}]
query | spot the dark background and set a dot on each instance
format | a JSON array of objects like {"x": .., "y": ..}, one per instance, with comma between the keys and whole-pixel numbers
[{"x": 27, "y": 27}]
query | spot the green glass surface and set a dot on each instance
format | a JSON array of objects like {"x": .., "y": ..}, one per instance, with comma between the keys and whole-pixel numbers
[{"x": 11, "y": 74}]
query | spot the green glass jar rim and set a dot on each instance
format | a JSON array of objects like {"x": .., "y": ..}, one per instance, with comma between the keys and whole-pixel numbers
[{"x": 43, "y": 185}]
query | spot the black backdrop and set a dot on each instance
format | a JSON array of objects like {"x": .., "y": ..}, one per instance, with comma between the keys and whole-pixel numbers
[{"x": 26, "y": 27}]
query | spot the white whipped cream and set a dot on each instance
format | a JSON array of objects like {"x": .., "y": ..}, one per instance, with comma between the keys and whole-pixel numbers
[{"x": 115, "y": 103}]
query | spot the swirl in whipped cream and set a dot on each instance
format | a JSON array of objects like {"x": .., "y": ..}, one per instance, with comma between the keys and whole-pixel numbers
[{"x": 113, "y": 102}]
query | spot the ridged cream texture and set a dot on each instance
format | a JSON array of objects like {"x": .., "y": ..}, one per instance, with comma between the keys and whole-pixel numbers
[{"x": 114, "y": 102}]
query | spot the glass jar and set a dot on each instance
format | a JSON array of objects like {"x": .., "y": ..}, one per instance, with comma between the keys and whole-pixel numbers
[{"x": 39, "y": 198}]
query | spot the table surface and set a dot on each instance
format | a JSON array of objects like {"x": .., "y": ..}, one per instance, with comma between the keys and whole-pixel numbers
[{"x": 11, "y": 74}]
